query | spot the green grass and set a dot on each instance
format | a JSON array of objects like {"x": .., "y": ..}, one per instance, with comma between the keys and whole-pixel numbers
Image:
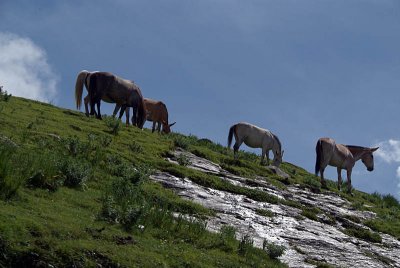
[{"x": 75, "y": 191}]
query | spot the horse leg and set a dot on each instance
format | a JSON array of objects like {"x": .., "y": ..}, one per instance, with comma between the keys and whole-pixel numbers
[
  {"x": 98, "y": 110},
  {"x": 349, "y": 187},
  {"x": 116, "y": 110},
  {"x": 263, "y": 153},
  {"x": 267, "y": 154},
  {"x": 134, "y": 116},
  {"x": 121, "y": 112},
  {"x": 126, "y": 109},
  {"x": 323, "y": 182},
  {"x": 236, "y": 148},
  {"x": 154, "y": 127},
  {"x": 86, "y": 101},
  {"x": 158, "y": 127},
  {"x": 339, "y": 173},
  {"x": 92, "y": 109}
]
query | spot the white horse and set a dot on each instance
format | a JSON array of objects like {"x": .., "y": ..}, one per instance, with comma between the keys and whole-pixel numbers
[
  {"x": 342, "y": 157},
  {"x": 256, "y": 137}
]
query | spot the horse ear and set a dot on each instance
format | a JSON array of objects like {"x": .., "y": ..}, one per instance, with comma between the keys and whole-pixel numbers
[
  {"x": 170, "y": 125},
  {"x": 374, "y": 149}
]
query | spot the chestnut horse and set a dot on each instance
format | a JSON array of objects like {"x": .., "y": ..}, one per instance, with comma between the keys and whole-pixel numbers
[
  {"x": 342, "y": 157},
  {"x": 158, "y": 114},
  {"x": 112, "y": 89},
  {"x": 256, "y": 137}
]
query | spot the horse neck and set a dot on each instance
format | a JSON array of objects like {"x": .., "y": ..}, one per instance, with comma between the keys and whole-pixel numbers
[
  {"x": 356, "y": 151},
  {"x": 276, "y": 147}
]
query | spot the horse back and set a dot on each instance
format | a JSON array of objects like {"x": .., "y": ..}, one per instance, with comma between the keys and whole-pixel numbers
[
  {"x": 254, "y": 136},
  {"x": 156, "y": 111},
  {"x": 336, "y": 155}
]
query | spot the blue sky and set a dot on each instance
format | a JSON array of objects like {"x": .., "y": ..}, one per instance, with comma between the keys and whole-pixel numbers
[{"x": 303, "y": 69}]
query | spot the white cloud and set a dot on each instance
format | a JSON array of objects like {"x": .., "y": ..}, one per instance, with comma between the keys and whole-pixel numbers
[
  {"x": 24, "y": 70},
  {"x": 389, "y": 151}
]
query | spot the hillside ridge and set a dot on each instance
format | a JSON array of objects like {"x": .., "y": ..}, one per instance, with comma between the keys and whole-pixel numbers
[{"x": 84, "y": 191}]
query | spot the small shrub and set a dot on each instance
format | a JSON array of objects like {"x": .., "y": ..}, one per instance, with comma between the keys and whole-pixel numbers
[
  {"x": 265, "y": 213},
  {"x": 105, "y": 140},
  {"x": 124, "y": 203},
  {"x": 390, "y": 201},
  {"x": 227, "y": 235},
  {"x": 361, "y": 233},
  {"x": 9, "y": 184},
  {"x": 313, "y": 183},
  {"x": 4, "y": 96},
  {"x": 136, "y": 147},
  {"x": 74, "y": 173},
  {"x": 310, "y": 213},
  {"x": 40, "y": 180},
  {"x": 181, "y": 142},
  {"x": 73, "y": 145},
  {"x": 245, "y": 245},
  {"x": 183, "y": 160},
  {"x": 113, "y": 124},
  {"x": 274, "y": 251}
]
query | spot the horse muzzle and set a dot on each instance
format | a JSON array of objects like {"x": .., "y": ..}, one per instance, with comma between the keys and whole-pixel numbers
[{"x": 370, "y": 169}]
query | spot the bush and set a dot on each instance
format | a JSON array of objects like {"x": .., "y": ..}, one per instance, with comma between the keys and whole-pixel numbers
[
  {"x": 123, "y": 203},
  {"x": 183, "y": 160},
  {"x": 73, "y": 145},
  {"x": 274, "y": 251},
  {"x": 310, "y": 213},
  {"x": 265, "y": 212},
  {"x": 105, "y": 140},
  {"x": 4, "y": 96},
  {"x": 361, "y": 233},
  {"x": 245, "y": 245},
  {"x": 113, "y": 124},
  {"x": 136, "y": 147},
  {"x": 9, "y": 182},
  {"x": 313, "y": 182},
  {"x": 74, "y": 173},
  {"x": 390, "y": 201},
  {"x": 40, "y": 180},
  {"x": 227, "y": 235}
]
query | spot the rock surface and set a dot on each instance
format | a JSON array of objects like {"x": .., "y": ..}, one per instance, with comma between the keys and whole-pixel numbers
[{"x": 307, "y": 241}]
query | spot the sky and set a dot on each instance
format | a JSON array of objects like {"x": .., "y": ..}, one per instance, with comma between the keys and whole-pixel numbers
[{"x": 302, "y": 69}]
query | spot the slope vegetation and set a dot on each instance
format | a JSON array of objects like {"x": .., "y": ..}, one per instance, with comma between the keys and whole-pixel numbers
[{"x": 77, "y": 191}]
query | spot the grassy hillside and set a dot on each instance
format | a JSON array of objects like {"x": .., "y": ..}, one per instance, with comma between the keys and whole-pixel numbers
[{"x": 75, "y": 191}]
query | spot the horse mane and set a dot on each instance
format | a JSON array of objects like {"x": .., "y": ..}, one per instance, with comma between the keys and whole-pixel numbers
[
  {"x": 355, "y": 147},
  {"x": 165, "y": 109},
  {"x": 278, "y": 141}
]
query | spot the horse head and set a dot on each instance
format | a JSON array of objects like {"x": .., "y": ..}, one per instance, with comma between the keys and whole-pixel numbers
[
  {"x": 277, "y": 158},
  {"x": 167, "y": 127},
  {"x": 368, "y": 159}
]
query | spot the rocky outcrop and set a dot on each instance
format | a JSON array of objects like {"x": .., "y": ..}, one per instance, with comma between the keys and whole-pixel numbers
[{"x": 307, "y": 241}]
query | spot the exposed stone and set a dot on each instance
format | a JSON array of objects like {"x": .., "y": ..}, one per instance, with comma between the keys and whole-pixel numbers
[{"x": 306, "y": 240}]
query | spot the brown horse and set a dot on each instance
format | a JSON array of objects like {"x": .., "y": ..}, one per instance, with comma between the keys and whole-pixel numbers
[
  {"x": 256, "y": 137},
  {"x": 112, "y": 89},
  {"x": 342, "y": 157},
  {"x": 158, "y": 114}
]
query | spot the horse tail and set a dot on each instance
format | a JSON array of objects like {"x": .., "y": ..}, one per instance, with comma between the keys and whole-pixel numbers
[
  {"x": 318, "y": 150},
  {"x": 80, "y": 81},
  {"x": 230, "y": 135},
  {"x": 141, "y": 113}
]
